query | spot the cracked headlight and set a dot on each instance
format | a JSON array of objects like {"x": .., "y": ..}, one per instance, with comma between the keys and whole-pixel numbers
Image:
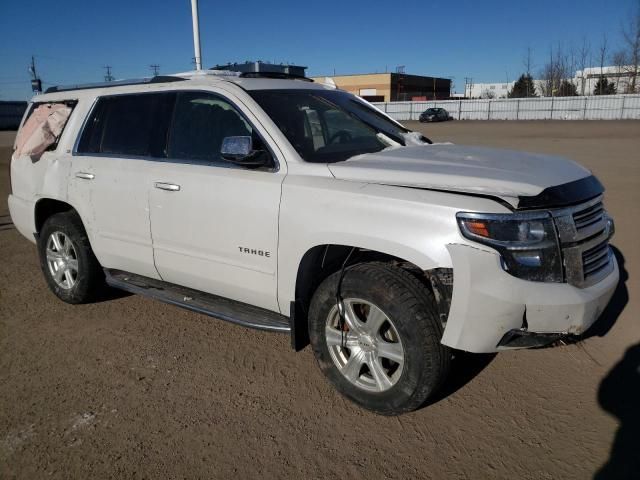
[{"x": 527, "y": 242}]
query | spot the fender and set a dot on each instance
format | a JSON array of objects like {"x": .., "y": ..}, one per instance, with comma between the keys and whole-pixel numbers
[{"x": 414, "y": 225}]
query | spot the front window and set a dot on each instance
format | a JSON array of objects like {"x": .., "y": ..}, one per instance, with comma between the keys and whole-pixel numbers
[
  {"x": 200, "y": 122},
  {"x": 328, "y": 125}
]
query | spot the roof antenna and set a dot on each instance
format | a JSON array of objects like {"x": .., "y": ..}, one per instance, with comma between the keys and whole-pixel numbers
[{"x": 196, "y": 34}]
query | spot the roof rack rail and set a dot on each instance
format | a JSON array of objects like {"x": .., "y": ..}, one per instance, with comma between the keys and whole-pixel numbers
[
  {"x": 117, "y": 83},
  {"x": 275, "y": 75},
  {"x": 210, "y": 73}
]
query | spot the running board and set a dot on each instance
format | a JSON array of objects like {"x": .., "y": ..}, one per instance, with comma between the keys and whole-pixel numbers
[{"x": 201, "y": 302}]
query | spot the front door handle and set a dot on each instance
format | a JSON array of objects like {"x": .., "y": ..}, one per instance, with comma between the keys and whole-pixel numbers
[
  {"x": 85, "y": 175},
  {"x": 170, "y": 187}
]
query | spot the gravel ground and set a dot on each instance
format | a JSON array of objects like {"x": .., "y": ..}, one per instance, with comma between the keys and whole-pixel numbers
[{"x": 132, "y": 388}]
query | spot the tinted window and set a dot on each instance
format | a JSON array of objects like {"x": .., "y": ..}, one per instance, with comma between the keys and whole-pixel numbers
[
  {"x": 128, "y": 125},
  {"x": 200, "y": 121}
]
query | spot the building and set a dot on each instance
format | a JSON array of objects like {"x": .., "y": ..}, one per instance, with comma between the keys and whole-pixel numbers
[
  {"x": 391, "y": 87},
  {"x": 488, "y": 90},
  {"x": 11, "y": 114},
  {"x": 586, "y": 80},
  {"x": 259, "y": 66},
  {"x": 495, "y": 90}
]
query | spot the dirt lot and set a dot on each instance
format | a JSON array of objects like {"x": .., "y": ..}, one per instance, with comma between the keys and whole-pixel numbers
[{"x": 132, "y": 388}]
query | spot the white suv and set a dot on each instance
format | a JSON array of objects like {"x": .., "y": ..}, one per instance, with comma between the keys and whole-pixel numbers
[{"x": 290, "y": 206}]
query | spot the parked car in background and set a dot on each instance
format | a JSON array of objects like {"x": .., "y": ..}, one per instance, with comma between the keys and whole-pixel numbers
[{"x": 435, "y": 115}]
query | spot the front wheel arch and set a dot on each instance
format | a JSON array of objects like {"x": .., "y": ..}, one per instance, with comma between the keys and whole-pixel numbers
[{"x": 321, "y": 261}]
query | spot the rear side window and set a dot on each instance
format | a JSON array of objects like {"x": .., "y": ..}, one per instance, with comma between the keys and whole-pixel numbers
[{"x": 133, "y": 125}]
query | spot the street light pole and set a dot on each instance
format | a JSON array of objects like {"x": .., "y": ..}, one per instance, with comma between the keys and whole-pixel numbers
[{"x": 196, "y": 34}]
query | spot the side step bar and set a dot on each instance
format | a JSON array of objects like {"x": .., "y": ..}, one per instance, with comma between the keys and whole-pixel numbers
[{"x": 212, "y": 305}]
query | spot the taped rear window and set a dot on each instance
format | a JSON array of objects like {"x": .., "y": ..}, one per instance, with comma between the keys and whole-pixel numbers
[{"x": 42, "y": 128}]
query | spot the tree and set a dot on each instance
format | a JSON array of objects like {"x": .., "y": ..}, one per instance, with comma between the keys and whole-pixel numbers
[
  {"x": 527, "y": 61},
  {"x": 600, "y": 86},
  {"x": 620, "y": 62},
  {"x": 567, "y": 89},
  {"x": 631, "y": 37},
  {"x": 523, "y": 87},
  {"x": 604, "y": 87},
  {"x": 584, "y": 58},
  {"x": 555, "y": 71},
  {"x": 486, "y": 93}
]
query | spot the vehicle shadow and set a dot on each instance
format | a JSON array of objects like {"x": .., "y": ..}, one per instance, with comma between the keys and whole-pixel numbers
[
  {"x": 619, "y": 392},
  {"x": 107, "y": 294},
  {"x": 616, "y": 305},
  {"x": 619, "y": 395},
  {"x": 465, "y": 367}
]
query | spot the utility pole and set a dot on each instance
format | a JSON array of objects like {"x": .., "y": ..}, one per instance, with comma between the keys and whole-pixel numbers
[
  {"x": 155, "y": 69},
  {"x": 36, "y": 83},
  {"x": 196, "y": 34},
  {"x": 468, "y": 83},
  {"x": 108, "y": 77}
]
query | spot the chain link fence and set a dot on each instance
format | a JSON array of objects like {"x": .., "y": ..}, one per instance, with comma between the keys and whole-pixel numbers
[{"x": 606, "y": 107}]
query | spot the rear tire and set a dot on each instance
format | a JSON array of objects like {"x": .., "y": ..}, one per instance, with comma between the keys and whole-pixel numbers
[
  {"x": 403, "y": 363},
  {"x": 69, "y": 266}
]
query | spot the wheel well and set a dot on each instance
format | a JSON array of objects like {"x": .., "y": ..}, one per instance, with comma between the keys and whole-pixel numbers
[
  {"x": 322, "y": 261},
  {"x": 47, "y": 207}
]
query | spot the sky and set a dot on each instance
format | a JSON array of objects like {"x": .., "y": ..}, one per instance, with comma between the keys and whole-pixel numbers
[{"x": 486, "y": 40}]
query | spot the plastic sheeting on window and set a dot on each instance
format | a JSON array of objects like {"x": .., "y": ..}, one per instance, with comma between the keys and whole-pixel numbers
[{"x": 41, "y": 130}]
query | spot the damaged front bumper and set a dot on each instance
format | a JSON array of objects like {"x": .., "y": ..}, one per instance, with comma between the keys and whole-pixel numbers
[{"x": 493, "y": 311}]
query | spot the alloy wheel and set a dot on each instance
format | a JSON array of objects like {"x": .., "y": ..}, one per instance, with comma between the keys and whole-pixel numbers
[
  {"x": 62, "y": 260},
  {"x": 367, "y": 349}
]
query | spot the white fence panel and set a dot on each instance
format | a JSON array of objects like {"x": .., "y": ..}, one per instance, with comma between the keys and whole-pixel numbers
[
  {"x": 630, "y": 107},
  {"x": 608, "y": 107}
]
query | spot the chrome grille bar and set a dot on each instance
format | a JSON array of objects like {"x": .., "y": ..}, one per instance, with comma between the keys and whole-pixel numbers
[
  {"x": 584, "y": 232},
  {"x": 589, "y": 216}
]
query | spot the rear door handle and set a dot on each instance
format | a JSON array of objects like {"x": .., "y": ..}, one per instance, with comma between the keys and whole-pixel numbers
[
  {"x": 85, "y": 175},
  {"x": 170, "y": 187}
]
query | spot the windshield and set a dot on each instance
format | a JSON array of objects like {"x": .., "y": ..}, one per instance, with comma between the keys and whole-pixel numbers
[{"x": 328, "y": 125}]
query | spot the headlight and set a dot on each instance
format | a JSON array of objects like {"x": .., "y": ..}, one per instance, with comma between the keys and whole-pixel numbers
[{"x": 527, "y": 242}]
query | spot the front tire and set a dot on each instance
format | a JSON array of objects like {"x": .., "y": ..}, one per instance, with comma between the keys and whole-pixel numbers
[
  {"x": 69, "y": 266},
  {"x": 387, "y": 357}
]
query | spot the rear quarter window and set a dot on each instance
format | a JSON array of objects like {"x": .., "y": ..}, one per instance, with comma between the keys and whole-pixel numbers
[{"x": 42, "y": 127}]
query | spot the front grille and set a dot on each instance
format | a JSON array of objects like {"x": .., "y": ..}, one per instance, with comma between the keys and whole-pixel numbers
[
  {"x": 584, "y": 232},
  {"x": 589, "y": 216}
]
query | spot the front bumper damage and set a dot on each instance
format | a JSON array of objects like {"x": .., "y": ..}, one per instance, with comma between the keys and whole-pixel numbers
[{"x": 493, "y": 311}]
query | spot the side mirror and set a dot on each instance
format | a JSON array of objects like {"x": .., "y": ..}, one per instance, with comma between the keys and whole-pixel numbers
[{"x": 239, "y": 150}]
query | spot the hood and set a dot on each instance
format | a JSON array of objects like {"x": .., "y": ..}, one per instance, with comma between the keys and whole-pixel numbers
[{"x": 507, "y": 174}]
